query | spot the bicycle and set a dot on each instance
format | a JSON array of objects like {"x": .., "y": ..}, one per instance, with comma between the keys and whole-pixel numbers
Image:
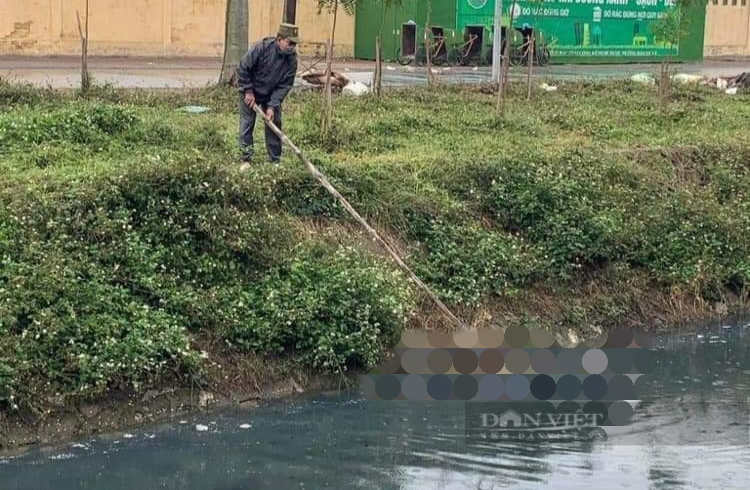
[
  {"x": 438, "y": 53},
  {"x": 462, "y": 53},
  {"x": 490, "y": 52},
  {"x": 542, "y": 53},
  {"x": 519, "y": 55}
]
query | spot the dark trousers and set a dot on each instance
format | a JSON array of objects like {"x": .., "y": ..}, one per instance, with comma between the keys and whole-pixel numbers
[{"x": 247, "y": 124}]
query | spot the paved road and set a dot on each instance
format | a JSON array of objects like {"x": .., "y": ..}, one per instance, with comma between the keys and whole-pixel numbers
[{"x": 64, "y": 72}]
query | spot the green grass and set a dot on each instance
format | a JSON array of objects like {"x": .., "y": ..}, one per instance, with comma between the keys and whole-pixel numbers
[{"x": 127, "y": 238}]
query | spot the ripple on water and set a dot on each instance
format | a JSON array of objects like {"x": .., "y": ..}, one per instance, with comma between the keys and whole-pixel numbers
[
  {"x": 339, "y": 442},
  {"x": 62, "y": 456}
]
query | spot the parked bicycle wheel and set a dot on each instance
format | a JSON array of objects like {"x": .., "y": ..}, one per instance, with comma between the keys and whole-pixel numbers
[
  {"x": 421, "y": 57},
  {"x": 516, "y": 56},
  {"x": 543, "y": 56},
  {"x": 463, "y": 56},
  {"x": 453, "y": 56},
  {"x": 403, "y": 60},
  {"x": 488, "y": 55},
  {"x": 440, "y": 59}
]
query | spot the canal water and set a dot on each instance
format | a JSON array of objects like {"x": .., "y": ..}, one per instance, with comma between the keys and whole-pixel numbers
[{"x": 692, "y": 433}]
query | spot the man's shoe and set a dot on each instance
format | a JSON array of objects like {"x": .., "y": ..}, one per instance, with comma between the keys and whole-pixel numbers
[{"x": 244, "y": 166}]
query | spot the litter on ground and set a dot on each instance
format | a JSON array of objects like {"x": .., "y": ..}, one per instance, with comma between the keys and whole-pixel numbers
[
  {"x": 721, "y": 84},
  {"x": 686, "y": 78},
  {"x": 740, "y": 81},
  {"x": 548, "y": 88},
  {"x": 643, "y": 78},
  {"x": 357, "y": 89},
  {"x": 194, "y": 109}
]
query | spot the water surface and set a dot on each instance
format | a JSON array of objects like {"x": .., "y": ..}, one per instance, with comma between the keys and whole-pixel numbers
[{"x": 692, "y": 434}]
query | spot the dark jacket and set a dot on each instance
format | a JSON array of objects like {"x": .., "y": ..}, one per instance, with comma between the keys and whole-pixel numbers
[{"x": 267, "y": 71}]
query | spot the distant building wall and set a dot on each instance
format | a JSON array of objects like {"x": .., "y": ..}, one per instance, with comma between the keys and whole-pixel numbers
[
  {"x": 727, "y": 28},
  {"x": 154, "y": 27}
]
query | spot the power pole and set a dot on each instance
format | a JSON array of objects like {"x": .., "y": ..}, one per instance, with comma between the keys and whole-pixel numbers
[{"x": 497, "y": 41}]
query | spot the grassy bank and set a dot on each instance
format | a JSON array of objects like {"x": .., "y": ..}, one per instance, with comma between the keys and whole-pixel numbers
[{"x": 133, "y": 254}]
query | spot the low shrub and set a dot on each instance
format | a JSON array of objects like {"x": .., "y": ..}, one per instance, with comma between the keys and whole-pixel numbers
[
  {"x": 468, "y": 263},
  {"x": 569, "y": 206},
  {"x": 81, "y": 124},
  {"x": 333, "y": 311}
]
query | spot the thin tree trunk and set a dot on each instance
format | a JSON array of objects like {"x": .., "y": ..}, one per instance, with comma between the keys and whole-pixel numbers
[
  {"x": 327, "y": 112},
  {"x": 530, "y": 61},
  {"x": 666, "y": 81},
  {"x": 505, "y": 63},
  {"x": 508, "y": 38},
  {"x": 378, "y": 82},
  {"x": 235, "y": 39},
  {"x": 661, "y": 85},
  {"x": 84, "y": 33},
  {"x": 427, "y": 28},
  {"x": 664, "y": 85},
  {"x": 501, "y": 80}
]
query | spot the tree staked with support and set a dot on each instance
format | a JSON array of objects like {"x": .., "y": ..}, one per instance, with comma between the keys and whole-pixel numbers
[
  {"x": 504, "y": 60},
  {"x": 331, "y": 6},
  {"x": 669, "y": 29},
  {"x": 377, "y": 84},
  {"x": 427, "y": 42}
]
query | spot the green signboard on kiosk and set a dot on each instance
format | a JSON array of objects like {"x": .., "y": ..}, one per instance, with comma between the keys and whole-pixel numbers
[
  {"x": 581, "y": 28},
  {"x": 589, "y": 31}
]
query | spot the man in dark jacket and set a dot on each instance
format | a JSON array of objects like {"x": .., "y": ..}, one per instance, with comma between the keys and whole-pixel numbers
[{"x": 265, "y": 77}]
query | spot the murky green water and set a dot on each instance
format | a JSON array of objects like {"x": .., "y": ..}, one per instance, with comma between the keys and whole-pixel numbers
[{"x": 693, "y": 433}]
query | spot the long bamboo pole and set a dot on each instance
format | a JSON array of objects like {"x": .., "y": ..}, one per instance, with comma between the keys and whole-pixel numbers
[{"x": 353, "y": 212}]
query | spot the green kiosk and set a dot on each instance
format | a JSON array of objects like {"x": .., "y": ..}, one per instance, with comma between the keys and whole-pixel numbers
[{"x": 565, "y": 31}]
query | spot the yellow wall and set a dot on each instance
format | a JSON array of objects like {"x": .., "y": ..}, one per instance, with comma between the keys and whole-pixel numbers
[
  {"x": 154, "y": 27},
  {"x": 727, "y": 28},
  {"x": 196, "y": 27}
]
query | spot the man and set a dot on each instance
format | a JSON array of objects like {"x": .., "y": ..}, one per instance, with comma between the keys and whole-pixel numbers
[{"x": 265, "y": 77}]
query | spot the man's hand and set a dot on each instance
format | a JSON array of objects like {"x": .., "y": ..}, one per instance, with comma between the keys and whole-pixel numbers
[
  {"x": 269, "y": 113},
  {"x": 249, "y": 99}
]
